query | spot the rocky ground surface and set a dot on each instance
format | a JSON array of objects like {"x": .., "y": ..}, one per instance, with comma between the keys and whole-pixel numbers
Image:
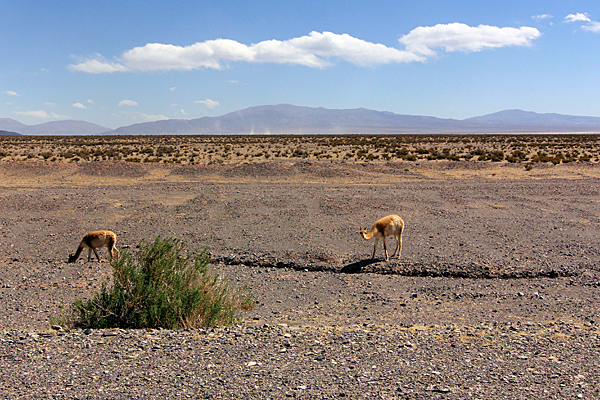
[{"x": 495, "y": 295}]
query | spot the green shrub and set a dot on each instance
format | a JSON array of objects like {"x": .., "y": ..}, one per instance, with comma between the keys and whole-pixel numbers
[
  {"x": 496, "y": 155},
  {"x": 162, "y": 286}
]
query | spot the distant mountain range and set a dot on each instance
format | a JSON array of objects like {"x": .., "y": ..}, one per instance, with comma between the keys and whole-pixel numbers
[
  {"x": 285, "y": 118},
  {"x": 65, "y": 127}
]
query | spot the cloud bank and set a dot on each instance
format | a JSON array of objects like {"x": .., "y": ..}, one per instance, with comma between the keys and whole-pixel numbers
[{"x": 315, "y": 50}]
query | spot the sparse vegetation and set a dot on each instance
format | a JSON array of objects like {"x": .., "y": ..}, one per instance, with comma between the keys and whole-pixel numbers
[
  {"x": 161, "y": 286},
  {"x": 209, "y": 149}
]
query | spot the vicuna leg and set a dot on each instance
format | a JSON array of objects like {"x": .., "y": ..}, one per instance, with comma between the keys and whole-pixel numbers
[
  {"x": 400, "y": 240},
  {"x": 96, "y": 253},
  {"x": 112, "y": 250},
  {"x": 398, "y": 246},
  {"x": 385, "y": 250},
  {"x": 375, "y": 247}
]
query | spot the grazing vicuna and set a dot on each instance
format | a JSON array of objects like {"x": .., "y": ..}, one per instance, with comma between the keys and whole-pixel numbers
[
  {"x": 392, "y": 225},
  {"x": 96, "y": 240}
]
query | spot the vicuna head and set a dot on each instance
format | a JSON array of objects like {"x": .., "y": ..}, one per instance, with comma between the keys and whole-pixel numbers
[{"x": 363, "y": 232}]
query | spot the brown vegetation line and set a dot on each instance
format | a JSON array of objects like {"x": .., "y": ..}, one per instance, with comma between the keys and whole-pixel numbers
[{"x": 207, "y": 149}]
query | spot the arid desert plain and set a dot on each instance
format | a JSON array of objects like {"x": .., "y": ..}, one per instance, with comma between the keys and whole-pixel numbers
[{"x": 495, "y": 295}]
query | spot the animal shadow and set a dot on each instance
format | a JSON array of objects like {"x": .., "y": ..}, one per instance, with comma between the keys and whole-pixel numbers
[{"x": 358, "y": 266}]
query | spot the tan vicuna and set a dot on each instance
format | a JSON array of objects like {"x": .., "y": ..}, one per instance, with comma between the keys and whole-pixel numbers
[
  {"x": 97, "y": 240},
  {"x": 392, "y": 225}
]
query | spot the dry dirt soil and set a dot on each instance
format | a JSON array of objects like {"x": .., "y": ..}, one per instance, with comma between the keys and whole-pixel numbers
[{"x": 495, "y": 294}]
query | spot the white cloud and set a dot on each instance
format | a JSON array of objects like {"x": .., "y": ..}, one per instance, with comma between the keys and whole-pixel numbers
[
  {"x": 96, "y": 64},
  {"x": 182, "y": 111},
  {"x": 40, "y": 114},
  {"x": 90, "y": 101},
  {"x": 579, "y": 17},
  {"x": 465, "y": 38},
  {"x": 79, "y": 105},
  {"x": 313, "y": 50},
  {"x": 140, "y": 116},
  {"x": 210, "y": 104},
  {"x": 541, "y": 17},
  {"x": 316, "y": 50},
  {"x": 593, "y": 26},
  {"x": 11, "y": 93},
  {"x": 173, "y": 89},
  {"x": 150, "y": 117},
  {"x": 128, "y": 103}
]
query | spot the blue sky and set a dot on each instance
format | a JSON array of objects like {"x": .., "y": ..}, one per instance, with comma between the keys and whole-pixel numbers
[{"x": 117, "y": 63}]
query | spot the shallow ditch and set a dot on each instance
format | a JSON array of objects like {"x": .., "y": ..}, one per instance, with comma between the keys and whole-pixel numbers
[{"x": 393, "y": 267}]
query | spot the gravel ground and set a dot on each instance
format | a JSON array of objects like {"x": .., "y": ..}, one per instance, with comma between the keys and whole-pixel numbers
[{"x": 495, "y": 295}]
